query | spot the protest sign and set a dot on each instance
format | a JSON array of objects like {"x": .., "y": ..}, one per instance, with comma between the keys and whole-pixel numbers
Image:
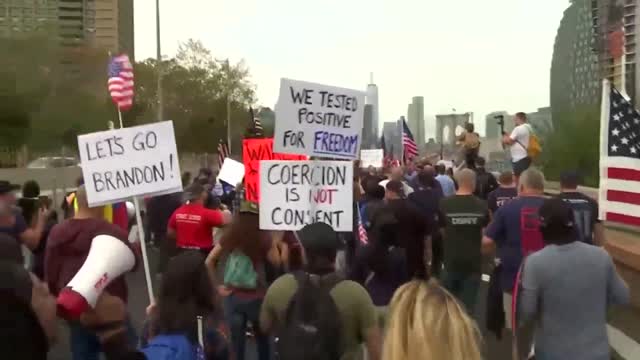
[
  {"x": 254, "y": 150},
  {"x": 231, "y": 172},
  {"x": 373, "y": 158},
  {"x": 135, "y": 161},
  {"x": 318, "y": 120},
  {"x": 297, "y": 193}
]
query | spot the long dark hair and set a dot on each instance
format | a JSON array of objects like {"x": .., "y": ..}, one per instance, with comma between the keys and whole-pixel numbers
[
  {"x": 186, "y": 292},
  {"x": 244, "y": 234}
]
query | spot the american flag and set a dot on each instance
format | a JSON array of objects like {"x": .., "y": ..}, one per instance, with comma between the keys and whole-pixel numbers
[
  {"x": 619, "y": 159},
  {"x": 121, "y": 81},
  {"x": 410, "y": 149},
  {"x": 362, "y": 232},
  {"x": 223, "y": 152}
]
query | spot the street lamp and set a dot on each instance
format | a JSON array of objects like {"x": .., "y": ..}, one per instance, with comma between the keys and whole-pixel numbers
[{"x": 159, "y": 65}]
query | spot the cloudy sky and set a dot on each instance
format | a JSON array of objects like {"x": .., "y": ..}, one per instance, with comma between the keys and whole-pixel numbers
[{"x": 471, "y": 55}]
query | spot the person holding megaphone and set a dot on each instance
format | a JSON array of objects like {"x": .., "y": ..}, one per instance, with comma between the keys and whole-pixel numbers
[{"x": 85, "y": 256}]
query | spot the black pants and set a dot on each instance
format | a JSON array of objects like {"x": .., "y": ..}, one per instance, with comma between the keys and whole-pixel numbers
[{"x": 470, "y": 157}]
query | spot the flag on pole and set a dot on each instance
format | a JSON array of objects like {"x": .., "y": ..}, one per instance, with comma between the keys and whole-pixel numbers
[
  {"x": 121, "y": 81},
  {"x": 410, "y": 149},
  {"x": 619, "y": 158},
  {"x": 223, "y": 152}
]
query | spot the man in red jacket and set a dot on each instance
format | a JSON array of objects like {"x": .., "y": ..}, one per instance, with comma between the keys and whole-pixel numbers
[{"x": 67, "y": 249}]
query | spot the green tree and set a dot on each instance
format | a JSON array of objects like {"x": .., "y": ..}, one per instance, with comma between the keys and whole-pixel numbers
[{"x": 574, "y": 145}]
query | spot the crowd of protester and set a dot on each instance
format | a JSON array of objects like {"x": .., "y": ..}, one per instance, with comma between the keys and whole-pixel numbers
[{"x": 406, "y": 290}]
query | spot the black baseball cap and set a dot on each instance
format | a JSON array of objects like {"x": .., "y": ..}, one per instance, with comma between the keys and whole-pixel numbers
[
  {"x": 556, "y": 213},
  {"x": 7, "y": 187},
  {"x": 319, "y": 236}
]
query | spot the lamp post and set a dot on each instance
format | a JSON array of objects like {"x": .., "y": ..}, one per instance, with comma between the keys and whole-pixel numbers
[{"x": 159, "y": 60}]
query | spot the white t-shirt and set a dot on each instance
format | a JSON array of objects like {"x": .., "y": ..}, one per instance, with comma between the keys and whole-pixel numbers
[{"x": 520, "y": 135}]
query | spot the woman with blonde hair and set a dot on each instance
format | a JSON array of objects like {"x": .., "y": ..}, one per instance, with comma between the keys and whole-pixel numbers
[{"x": 426, "y": 322}]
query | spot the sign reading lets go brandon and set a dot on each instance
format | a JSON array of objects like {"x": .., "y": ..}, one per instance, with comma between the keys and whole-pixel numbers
[{"x": 318, "y": 120}]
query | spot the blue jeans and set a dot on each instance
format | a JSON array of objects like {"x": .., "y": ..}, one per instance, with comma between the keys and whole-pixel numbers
[
  {"x": 85, "y": 345},
  {"x": 238, "y": 312},
  {"x": 463, "y": 286}
]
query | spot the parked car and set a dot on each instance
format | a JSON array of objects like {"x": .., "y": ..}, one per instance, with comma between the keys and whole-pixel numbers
[{"x": 53, "y": 162}]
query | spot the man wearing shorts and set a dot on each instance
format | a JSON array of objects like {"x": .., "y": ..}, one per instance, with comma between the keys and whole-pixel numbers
[{"x": 518, "y": 142}]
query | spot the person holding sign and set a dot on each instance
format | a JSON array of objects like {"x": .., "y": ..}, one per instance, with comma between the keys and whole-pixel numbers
[{"x": 191, "y": 225}]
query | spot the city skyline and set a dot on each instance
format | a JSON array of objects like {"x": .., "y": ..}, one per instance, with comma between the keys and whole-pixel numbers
[{"x": 480, "y": 64}]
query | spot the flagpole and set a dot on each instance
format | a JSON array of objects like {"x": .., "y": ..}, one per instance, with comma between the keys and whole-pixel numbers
[
  {"x": 228, "y": 105},
  {"x": 143, "y": 245},
  {"x": 159, "y": 65},
  {"x": 605, "y": 113}
]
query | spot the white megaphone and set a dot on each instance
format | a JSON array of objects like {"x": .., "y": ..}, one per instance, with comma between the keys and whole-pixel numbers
[{"x": 108, "y": 258}]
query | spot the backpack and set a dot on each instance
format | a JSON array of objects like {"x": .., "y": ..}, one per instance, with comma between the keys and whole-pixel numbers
[
  {"x": 172, "y": 347},
  {"x": 239, "y": 271},
  {"x": 471, "y": 141},
  {"x": 312, "y": 326},
  {"x": 534, "y": 148}
]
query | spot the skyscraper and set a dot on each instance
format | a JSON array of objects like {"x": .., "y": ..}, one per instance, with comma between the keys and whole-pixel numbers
[
  {"x": 415, "y": 116},
  {"x": 368, "y": 139},
  {"x": 105, "y": 24},
  {"x": 372, "y": 99}
]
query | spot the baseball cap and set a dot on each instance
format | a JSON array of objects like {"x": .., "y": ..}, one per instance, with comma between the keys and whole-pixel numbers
[
  {"x": 7, "y": 187},
  {"x": 319, "y": 236},
  {"x": 556, "y": 214},
  {"x": 249, "y": 207}
]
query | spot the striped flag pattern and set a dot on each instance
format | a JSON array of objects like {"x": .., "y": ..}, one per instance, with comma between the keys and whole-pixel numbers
[
  {"x": 121, "y": 81},
  {"x": 362, "y": 232},
  {"x": 619, "y": 159},
  {"x": 410, "y": 148},
  {"x": 223, "y": 152}
]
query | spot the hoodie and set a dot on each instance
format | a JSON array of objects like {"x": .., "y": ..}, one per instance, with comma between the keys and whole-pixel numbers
[{"x": 68, "y": 247}]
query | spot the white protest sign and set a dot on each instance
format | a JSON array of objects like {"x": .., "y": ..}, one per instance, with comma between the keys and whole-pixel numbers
[
  {"x": 232, "y": 172},
  {"x": 118, "y": 164},
  {"x": 318, "y": 120},
  {"x": 373, "y": 158},
  {"x": 296, "y": 193}
]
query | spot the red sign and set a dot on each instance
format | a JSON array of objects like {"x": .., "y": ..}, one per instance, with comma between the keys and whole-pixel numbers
[{"x": 254, "y": 150}]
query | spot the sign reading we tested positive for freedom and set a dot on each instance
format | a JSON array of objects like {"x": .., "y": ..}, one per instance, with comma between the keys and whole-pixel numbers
[
  {"x": 135, "y": 161},
  {"x": 318, "y": 120}
]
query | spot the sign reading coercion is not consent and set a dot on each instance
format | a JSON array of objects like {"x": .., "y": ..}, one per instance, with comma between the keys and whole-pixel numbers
[
  {"x": 297, "y": 193},
  {"x": 118, "y": 164},
  {"x": 318, "y": 120}
]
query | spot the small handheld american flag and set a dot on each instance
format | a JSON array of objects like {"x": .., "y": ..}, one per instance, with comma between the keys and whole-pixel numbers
[
  {"x": 121, "y": 82},
  {"x": 223, "y": 152},
  {"x": 362, "y": 232}
]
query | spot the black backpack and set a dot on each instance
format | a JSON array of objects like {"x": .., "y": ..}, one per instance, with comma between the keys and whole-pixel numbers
[{"x": 312, "y": 325}]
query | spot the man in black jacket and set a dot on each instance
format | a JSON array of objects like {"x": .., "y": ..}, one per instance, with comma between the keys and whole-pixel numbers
[{"x": 485, "y": 181}]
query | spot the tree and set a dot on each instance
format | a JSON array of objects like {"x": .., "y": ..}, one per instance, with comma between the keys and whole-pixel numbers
[{"x": 574, "y": 145}]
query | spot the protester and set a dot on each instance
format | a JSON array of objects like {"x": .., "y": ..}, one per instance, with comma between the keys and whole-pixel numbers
[
  {"x": 567, "y": 288},
  {"x": 518, "y": 143},
  {"x": 191, "y": 225},
  {"x": 381, "y": 266},
  {"x": 446, "y": 183},
  {"x": 426, "y": 322},
  {"x": 413, "y": 230},
  {"x": 503, "y": 194},
  {"x": 463, "y": 217},
  {"x": 31, "y": 205},
  {"x": 470, "y": 141},
  {"x": 515, "y": 229},
  {"x": 485, "y": 182},
  {"x": 372, "y": 201},
  {"x": 427, "y": 199},
  {"x": 187, "y": 292},
  {"x": 159, "y": 211},
  {"x": 247, "y": 251},
  {"x": 397, "y": 174},
  {"x": 354, "y": 317},
  {"x": 67, "y": 249},
  {"x": 585, "y": 210},
  {"x": 13, "y": 223}
]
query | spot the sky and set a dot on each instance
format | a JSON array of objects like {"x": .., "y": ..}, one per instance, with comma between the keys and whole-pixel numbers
[{"x": 470, "y": 55}]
